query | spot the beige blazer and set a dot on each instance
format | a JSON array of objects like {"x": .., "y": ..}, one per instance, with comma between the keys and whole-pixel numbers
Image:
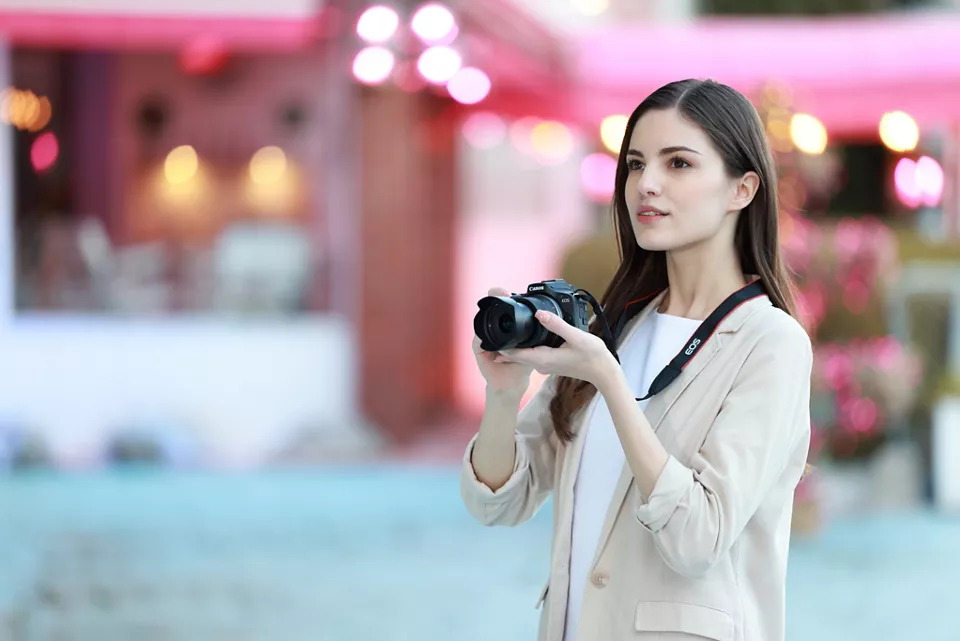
[{"x": 705, "y": 555}]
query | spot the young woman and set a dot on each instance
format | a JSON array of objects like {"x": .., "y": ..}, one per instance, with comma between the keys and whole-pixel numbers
[{"x": 672, "y": 514}]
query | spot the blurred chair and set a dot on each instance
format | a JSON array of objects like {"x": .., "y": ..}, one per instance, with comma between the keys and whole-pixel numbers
[
  {"x": 264, "y": 268},
  {"x": 21, "y": 448},
  {"x": 125, "y": 279},
  {"x": 157, "y": 442}
]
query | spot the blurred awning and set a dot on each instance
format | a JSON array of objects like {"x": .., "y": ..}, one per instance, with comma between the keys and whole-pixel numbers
[
  {"x": 516, "y": 51},
  {"x": 154, "y": 24},
  {"x": 845, "y": 71}
]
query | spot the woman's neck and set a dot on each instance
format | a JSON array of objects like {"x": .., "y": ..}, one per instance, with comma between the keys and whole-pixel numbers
[{"x": 699, "y": 279}]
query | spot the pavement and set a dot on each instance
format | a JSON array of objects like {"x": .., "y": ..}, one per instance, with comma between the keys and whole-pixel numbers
[{"x": 379, "y": 551}]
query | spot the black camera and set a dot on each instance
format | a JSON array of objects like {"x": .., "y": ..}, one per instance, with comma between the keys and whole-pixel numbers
[{"x": 508, "y": 322}]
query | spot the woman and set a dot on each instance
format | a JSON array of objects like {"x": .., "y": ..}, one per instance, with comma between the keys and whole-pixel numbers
[{"x": 672, "y": 515}]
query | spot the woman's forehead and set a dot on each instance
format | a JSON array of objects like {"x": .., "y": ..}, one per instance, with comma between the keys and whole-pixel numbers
[{"x": 659, "y": 129}]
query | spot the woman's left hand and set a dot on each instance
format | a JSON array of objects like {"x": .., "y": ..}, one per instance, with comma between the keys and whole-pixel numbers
[{"x": 582, "y": 355}]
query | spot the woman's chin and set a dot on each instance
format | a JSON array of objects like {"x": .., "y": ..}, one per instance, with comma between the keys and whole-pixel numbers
[{"x": 653, "y": 243}]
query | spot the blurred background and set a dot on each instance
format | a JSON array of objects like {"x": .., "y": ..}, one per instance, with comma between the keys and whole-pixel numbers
[{"x": 242, "y": 244}]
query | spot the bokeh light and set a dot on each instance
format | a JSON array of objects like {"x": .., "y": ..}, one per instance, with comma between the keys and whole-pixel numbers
[
  {"x": 181, "y": 165},
  {"x": 484, "y": 130},
  {"x": 929, "y": 180},
  {"x": 520, "y": 131},
  {"x": 438, "y": 64},
  {"x": 552, "y": 141},
  {"x": 204, "y": 56},
  {"x": 43, "y": 116},
  {"x": 24, "y": 109},
  {"x": 899, "y": 131},
  {"x": 373, "y": 65},
  {"x": 905, "y": 182},
  {"x": 377, "y": 24},
  {"x": 918, "y": 182},
  {"x": 597, "y": 176},
  {"x": 469, "y": 86},
  {"x": 612, "y": 130},
  {"x": 433, "y": 23},
  {"x": 268, "y": 165},
  {"x": 44, "y": 152},
  {"x": 808, "y": 134}
]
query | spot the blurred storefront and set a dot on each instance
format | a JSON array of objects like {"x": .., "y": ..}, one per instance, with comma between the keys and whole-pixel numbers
[{"x": 217, "y": 224}]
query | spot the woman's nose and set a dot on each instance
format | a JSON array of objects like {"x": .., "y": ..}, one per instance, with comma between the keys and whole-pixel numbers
[{"x": 649, "y": 184}]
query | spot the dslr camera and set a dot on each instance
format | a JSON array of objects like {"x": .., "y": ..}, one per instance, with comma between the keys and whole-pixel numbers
[{"x": 508, "y": 322}]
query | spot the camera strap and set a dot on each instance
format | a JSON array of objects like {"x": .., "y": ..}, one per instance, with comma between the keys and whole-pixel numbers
[{"x": 706, "y": 329}]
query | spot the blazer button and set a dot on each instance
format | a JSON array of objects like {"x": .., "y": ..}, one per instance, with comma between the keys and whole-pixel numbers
[{"x": 600, "y": 579}]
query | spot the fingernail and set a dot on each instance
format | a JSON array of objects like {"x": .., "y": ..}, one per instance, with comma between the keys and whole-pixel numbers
[{"x": 542, "y": 316}]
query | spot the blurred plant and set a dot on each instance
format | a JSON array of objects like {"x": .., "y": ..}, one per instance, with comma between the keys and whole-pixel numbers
[
  {"x": 864, "y": 382},
  {"x": 845, "y": 262},
  {"x": 860, "y": 390}
]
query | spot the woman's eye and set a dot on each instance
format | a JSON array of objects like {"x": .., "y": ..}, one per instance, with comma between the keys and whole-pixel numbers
[
  {"x": 633, "y": 164},
  {"x": 678, "y": 163}
]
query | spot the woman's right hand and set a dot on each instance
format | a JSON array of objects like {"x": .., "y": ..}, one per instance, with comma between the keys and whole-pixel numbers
[{"x": 501, "y": 377}]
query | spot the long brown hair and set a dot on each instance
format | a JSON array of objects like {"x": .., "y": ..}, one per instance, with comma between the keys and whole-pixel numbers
[{"x": 737, "y": 132}]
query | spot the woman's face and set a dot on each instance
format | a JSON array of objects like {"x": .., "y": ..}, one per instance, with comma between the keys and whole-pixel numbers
[{"x": 678, "y": 192}]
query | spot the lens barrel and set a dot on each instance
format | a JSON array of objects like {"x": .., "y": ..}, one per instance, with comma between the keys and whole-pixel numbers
[{"x": 508, "y": 322}]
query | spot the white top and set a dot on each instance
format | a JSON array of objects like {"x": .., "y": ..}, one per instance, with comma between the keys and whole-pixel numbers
[{"x": 651, "y": 347}]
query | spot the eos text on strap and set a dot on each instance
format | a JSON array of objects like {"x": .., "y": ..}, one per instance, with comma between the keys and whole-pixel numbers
[{"x": 706, "y": 329}]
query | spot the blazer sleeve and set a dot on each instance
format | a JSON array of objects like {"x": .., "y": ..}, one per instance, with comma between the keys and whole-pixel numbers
[
  {"x": 534, "y": 465},
  {"x": 697, "y": 513}
]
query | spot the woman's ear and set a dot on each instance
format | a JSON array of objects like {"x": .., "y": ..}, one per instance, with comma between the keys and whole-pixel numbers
[{"x": 744, "y": 190}]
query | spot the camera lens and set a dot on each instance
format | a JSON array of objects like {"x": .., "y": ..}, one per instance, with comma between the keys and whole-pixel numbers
[
  {"x": 503, "y": 323},
  {"x": 506, "y": 322}
]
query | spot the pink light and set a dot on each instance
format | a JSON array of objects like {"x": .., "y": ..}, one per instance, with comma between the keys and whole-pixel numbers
[
  {"x": 204, "y": 56},
  {"x": 919, "y": 182},
  {"x": 438, "y": 64},
  {"x": 433, "y": 23},
  {"x": 377, "y": 24},
  {"x": 905, "y": 182},
  {"x": 373, "y": 65},
  {"x": 862, "y": 414},
  {"x": 813, "y": 305},
  {"x": 469, "y": 86},
  {"x": 484, "y": 130},
  {"x": 856, "y": 295},
  {"x": 848, "y": 237},
  {"x": 929, "y": 180},
  {"x": 837, "y": 370},
  {"x": 520, "y": 132},
  {"x": 44, "y": 152},
  {"x": 597, "y": 176}
]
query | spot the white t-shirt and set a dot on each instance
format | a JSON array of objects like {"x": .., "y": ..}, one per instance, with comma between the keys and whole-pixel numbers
[{"x": 652, "y": 346}]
